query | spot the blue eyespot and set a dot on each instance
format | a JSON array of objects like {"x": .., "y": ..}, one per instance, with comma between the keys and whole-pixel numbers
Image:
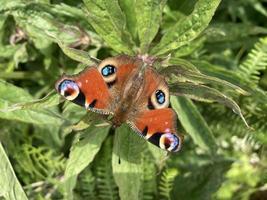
[
  {"x": 160, "y": 96},
  {"x": 108, "y": 70},
  {"x": 172, "y": 142},
  {"x": 68, "y": 88}
]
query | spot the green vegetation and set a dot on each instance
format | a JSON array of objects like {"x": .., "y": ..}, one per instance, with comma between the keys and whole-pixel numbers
[{"x": 214, "y": 57}]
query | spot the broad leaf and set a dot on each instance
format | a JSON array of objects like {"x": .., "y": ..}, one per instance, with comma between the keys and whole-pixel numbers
[
  {"x": 75, "y": 54},
  {"x": 184, "y": 73},
  {"x": 50, "y": 100},
  {"x": 81, "y": 155},
  {"x": 126, "y": 162},
  {"x": 109, "y": 22},
  {"x": 194, "y": 124},
  {"x": 188, "y": 28},
  {"x": 10, "y": 187},
  {"x": 221, "y": 73},
  {"x": 10, "y": 95},
  {"x": 206, "y": 94},
  {"x": 148, "y": 14},
  {"x": 128, "y": 8}
]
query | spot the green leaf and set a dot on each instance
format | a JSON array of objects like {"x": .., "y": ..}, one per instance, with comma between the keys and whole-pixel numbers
[
  {"x": 109, "y": 22},
  {"x": 190, "y": 48},
  {"x": 222, "y": 32},
  {"x": 50, "y": 100},
  {"x": 8, "y": 51},
  {"x": 81, "y": 155},
  {"x": 128, "y": 147},
  {"x": 10, "y": 187},
  {"x": 128, "y": 8},
  {"x": 188, "y": 28},
  {"x": 206, "y": 94},
  {"x": 194, "y": 124},
  {"x": 149, "y": 16},
  {"x": 166, "y": 182},
  {"x": 220, "y": 72},
  {"x": 255, "y": 63},
  {"x": 10, "y": 95},
  {"x": 75, "y": 54},
  {"x": 201, "y": 182},
  {"x": 190, "y": 73}
]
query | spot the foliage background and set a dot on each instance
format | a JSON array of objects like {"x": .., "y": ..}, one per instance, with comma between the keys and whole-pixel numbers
[{"x": 51, "y": 149}]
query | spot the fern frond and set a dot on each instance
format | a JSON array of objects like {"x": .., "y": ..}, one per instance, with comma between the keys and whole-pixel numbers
[
  {"x": 105, "y": 184},
  {"x": 255, "y": 62},
  {"x": 86, "y": 185},
  {"x": 38, "y": 162},
  {"x": 149, "y": 187},
  {"x": 166, "y": 182}
]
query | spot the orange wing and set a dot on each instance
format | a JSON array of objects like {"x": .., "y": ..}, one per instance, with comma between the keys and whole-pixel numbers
[
  {"x": 87, "y": 89},
  {"x": 159, "y": 127},
  {"x": 155, "y": 121},
  {"x": 98, "y": 88}
]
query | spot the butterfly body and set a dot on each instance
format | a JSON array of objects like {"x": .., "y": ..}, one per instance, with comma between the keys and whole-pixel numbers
[{"x": 132, "y": 92}]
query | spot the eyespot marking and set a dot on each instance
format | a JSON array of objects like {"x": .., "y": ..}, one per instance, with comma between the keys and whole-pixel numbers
[
  {"x": 108, "y": 70},
  {"x": 160, "y": 96},
  {"x": 170, "y": 142},
  {"x": 69, "y": 89}
]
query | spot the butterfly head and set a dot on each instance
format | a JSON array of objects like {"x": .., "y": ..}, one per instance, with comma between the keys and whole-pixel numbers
[
  {"x": 68, "y": 88},
  {"x": 170, "y": 142}
]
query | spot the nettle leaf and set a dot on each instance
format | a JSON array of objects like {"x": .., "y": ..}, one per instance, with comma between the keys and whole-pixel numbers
[
  {"x": 37, "y": 19},
  {"x": 220, "y": 72},
  {"x": 128, "y": 8},
  {"x": 82, "y": 153},
  {"x": 126, "y": 162},
  {"x": 10, "y": 95},
  {"x": 222, "y": 32},
  {"x": 190, "y": 48},
  {"x": 8, "y": 51},
  {"x": 10, "y": 187},
  {"x": 187, "y": 28},
  {"x": 149, "y": 15},
  {"x": 75, "y": 54},
  {"x": 109, "y": 22},
  {"x": 194, "y": 124},
  {"x": 186, "y": 74},
  {"x": 205, "y": 94},
  {"x": 50, "y": 100}
]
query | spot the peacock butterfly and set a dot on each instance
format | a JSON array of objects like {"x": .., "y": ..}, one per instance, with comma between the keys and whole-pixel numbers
[{"x": 129, "y": 90}]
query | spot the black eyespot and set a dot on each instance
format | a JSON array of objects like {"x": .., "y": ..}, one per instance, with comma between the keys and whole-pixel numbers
[
  {"x": 160, "y": 96},
  {"x": 108, "y": 70}
]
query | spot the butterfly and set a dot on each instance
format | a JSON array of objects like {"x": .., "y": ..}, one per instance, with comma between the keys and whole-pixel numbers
[{"x": 129, "y": 90}]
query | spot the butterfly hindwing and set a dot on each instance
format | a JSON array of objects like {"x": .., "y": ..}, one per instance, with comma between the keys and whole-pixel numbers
[{"x": 155, "y": 121}]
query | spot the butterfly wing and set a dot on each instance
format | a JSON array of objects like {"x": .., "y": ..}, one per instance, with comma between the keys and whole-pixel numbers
[
  {"x": 87, "y": 89},
  {"x": 98, "y": 88},
  {"x": 155, "y": 121}
]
